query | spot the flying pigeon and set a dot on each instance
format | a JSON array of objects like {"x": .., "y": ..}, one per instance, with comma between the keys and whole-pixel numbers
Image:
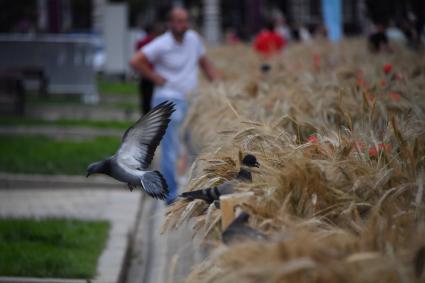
[
  {"x": 239, "y": 230},
  {"x": 211, "y": 195},
  {"x": 130, "y": 163}
]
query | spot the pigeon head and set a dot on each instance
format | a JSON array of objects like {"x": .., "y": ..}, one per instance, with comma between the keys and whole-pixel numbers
[
  {"x": 250, "y": 161},
  {"x": 96, "y": 167}
]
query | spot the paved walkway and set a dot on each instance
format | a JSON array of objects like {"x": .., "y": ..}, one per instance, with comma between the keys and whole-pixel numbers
[
  {"x": 120, "y": 207},
  {"x": 40, "y": 181},
  {"x": 156, "y": 258}
]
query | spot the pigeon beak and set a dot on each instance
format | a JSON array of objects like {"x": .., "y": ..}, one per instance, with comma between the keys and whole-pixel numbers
[{"x": 257, "y": 164}]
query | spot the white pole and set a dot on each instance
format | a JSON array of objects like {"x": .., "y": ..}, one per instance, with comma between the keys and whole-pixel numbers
[
  {"x": 212, "y": 30},
  {"x": 42, "y": 14},
  {"x": 98, "y": 14}
]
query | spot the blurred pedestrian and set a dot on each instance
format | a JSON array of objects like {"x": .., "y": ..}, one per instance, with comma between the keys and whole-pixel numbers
[
  {"x": 175, "y": 56},
  {"x": 268, "y": 42},
  {"x": 305, "y": 35},
  {"x": 395, "y": 34},
  {"x": 378, "y": 40},
  {"x": 232, "y": 37},
  {"x": 282, "y": 28},
  {"x": 146, "y": 85}
]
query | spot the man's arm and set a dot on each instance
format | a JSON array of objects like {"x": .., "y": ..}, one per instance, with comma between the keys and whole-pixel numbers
[
  {"x": 140, "y": 64},
  {"x": 208, "y": 69}
]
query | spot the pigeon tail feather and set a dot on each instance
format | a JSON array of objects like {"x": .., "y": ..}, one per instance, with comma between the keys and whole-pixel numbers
[
  {"x": 208, "y": 195},
  {"x": 154, "y": 184}
]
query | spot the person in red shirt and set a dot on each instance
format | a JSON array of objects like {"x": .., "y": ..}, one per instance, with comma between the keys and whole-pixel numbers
[
  {"x": 268, "y": 42},
  {"x": 150, "y": 35},
  {"x": 146, "y": 85}
]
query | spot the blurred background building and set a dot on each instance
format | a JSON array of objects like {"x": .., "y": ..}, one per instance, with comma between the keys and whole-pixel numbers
[
  {"x": 245, "y": 16},
  {"x": 100, "y": 35}
]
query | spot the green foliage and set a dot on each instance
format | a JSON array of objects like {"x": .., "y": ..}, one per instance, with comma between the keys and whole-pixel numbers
[
  {"x": 115, "y": 87},
  {"x": 60, "y": 248}
]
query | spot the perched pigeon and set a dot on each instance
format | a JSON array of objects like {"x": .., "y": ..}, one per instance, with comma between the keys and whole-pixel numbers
[
  {"x": 420, "y": 262},
  {"x": 131, "y": 161},
  {"x": 239, "y": 231},
  {"x": 210, "y": 195}
]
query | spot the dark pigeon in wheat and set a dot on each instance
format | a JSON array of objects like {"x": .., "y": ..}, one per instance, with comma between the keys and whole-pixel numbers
[{"x": 210, "y": 195}]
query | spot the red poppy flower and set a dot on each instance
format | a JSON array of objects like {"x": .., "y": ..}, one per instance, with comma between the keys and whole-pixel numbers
[
  {"x": 359, "y": 145},
  {"x": 394, "y": 96},
  {"x": 371, "y": 97},
  {"x": 316, "y": 60},
  {"x": 269, "y": 105},
  {"x": 373, "y": 152},
  {"x": 362, "y": 83},
  {"x": 388, "y": 68},
  {"x": 313, "y": 138},
  {"x": 384, "y": 146},
  {"x": 397, "y": 77}
]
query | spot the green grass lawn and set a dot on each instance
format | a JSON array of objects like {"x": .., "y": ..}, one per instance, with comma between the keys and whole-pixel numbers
[
  {"x": 24, "y": 121},
  {"x": 51, "y": 248},
  {"x": 116, "y": 87},
  {"x": 43, "y": 155}
]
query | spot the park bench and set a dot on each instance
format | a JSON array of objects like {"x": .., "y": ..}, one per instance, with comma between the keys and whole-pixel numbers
[
  {"x": 12, "y": 93},
  {"x": 14, "y": 86},
  {"x": 34, "y": 74},
  {"x": 66, "y": 60}
]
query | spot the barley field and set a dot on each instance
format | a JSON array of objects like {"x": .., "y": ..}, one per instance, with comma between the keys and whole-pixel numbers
[{"x": 340, "y": 136}]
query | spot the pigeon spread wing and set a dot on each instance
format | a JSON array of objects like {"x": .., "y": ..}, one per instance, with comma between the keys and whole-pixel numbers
[{"x": 140, "y": 140}]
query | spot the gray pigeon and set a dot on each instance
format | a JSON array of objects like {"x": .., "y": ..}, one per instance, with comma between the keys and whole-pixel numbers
[
  {"x": 239, "y": 231},
  {"x": 131, "y": 161},
  {"x": 211, "y": 195}
]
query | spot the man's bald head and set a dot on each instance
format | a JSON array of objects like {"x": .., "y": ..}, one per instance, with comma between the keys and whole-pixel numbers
[
  {"x": 178, "y": 12},
  {"x": 178, "y": 21}
]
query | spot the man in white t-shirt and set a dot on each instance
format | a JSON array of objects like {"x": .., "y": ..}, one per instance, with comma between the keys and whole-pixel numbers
[{"x": 175, "y": 57}]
